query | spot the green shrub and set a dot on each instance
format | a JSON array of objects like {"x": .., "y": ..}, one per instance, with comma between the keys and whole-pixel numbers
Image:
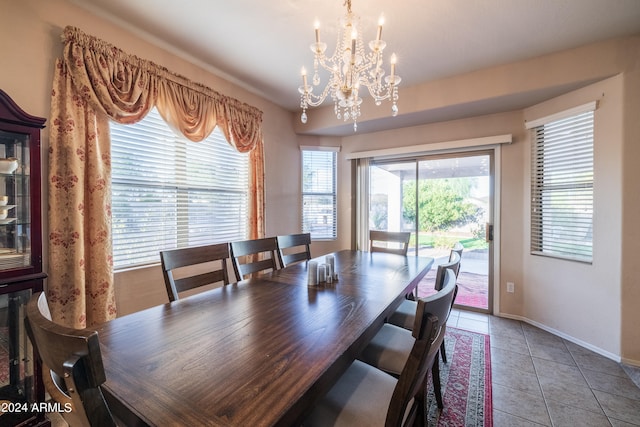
[{"x": 444, "y": 242}]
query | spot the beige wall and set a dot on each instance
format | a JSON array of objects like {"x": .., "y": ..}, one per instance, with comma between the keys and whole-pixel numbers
[
  {"x": 577, "y": 299},
  {"x": 602, "y": 309},
  {"x": 594, "y": 305},
  {"x": 630, "y": 298},
  {"x": 560, "y": 71},
  {"x": 30, "y": 33}
]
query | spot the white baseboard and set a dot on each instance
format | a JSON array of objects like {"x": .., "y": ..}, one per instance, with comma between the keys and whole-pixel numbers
[{"x": 605, "y": 353}]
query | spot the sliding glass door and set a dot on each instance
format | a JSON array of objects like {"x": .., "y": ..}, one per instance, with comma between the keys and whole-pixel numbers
[
  {"x": 446, "y": 202},
  {"x": 387, "y": 198}
]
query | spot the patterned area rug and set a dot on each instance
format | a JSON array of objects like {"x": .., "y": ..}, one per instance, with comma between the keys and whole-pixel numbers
[{"x": 466, "y": 382}]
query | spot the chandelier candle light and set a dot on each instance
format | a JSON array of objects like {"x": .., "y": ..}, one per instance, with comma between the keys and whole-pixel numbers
[{"x": 350, "y": 67}]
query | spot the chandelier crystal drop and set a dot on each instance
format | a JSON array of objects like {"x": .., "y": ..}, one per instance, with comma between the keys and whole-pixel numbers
[{"x": 351, "y": 68}]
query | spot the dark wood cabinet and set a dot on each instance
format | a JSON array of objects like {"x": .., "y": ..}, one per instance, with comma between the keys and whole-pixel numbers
[{"x": 20, "y": 263}]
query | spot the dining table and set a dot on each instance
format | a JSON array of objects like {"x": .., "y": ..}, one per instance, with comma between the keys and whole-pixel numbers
[{"x": 260, "y": 352}]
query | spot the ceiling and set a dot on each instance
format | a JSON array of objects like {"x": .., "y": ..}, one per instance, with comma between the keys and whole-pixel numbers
[{"x": 261, "y": 45}]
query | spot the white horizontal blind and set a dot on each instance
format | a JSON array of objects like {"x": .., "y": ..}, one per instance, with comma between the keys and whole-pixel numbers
[
  {"x": 169, "y": 192},
  {"x": 562, "y": 188},
  {"x": 319, "y": 194}
]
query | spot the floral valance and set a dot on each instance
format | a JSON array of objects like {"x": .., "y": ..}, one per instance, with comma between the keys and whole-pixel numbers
[{"x": 126, "y": 87}]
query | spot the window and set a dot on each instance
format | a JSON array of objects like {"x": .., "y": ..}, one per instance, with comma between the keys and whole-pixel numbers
[
  {"x": 169, "y": 192},
  {"x": 562, "y": 188},
  {"x": 319, "y": 194}
]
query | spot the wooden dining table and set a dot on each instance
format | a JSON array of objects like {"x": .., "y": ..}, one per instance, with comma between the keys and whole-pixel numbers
[{"x": 259, "y": 352}]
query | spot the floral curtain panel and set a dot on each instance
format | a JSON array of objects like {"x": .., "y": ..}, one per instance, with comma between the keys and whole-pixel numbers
[{"x": 95, "y": 81}]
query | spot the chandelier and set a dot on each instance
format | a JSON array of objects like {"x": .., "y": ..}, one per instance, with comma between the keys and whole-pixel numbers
[{"x": 351, "y": 67}]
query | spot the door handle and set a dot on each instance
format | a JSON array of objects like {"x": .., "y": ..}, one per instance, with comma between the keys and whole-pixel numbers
[{"x": 488, "y": 232}]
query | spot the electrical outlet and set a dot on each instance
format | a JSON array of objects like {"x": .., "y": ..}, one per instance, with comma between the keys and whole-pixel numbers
[{"x": 511, "y": 287}]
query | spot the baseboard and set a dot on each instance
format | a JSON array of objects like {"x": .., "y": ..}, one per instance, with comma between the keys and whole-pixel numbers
[{"x": 605, "y": 353}]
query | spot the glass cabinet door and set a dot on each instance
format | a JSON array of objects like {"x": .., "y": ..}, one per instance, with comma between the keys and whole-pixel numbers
[
  {"x": 15, "y": 218},
  {"x": 16, "y": 360},
  {"x": 20, "y": 263}
]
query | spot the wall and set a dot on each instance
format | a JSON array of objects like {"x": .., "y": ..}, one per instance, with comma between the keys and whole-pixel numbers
[
  {"x": 534, "y": 80},
  {"x": 594, "y": 305},
  {"x": 630, "y": 346},
  {"x": 30, "y": 33},
  {"x": 580, "y": 300}
]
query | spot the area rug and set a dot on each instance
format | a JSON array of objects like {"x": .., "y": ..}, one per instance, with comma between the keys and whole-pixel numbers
[{"x": 466, "y": 382}]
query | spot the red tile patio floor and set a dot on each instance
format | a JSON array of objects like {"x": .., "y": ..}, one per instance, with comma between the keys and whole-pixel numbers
[{"x": 472, "y": 288}]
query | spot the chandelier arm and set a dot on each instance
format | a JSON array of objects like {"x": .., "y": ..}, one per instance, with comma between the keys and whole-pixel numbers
[
  {"x": 329, "y": 68},
  {"x": 376, "y": 96},
  {"x": 315, "y": 100}
]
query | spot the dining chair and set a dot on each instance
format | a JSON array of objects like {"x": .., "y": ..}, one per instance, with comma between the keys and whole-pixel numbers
[
  {"x": 72, "y": 366},
  {"x": 301, "y": 243},
  {"x": 258, "y": 255},
  {"x": 457, "y": 248},
  {"x": 192, "y": 267},
  {"x": 389, "y": 242},
  {"x": 405, "y": 314},
  {"x": 367, "y": 396},
  {"x": 391, "y": 348}
]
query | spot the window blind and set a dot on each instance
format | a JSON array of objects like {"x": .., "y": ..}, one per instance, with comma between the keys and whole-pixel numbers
[
  {"x": 168, "y": 192},
  {"x": 319, "y": 195},
  {"x": 562, "y": 188}
]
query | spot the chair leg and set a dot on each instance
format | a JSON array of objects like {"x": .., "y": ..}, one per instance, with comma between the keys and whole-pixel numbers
[
  {"x": 443, "y": 352},
  {"x": 420, "y": 419},
  {"x": 435, "y": 376}
]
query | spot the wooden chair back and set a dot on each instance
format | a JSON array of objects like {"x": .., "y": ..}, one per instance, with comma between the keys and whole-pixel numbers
[
  {"x": 428, "y": 332},
  {"x": 185, "y": 258},
  {"x": 259, "y": 255},
  {"x": 302, "y": 243},
  {"x": 453, "y": 265},
  {"x": 457, "y": 249},
  {"x": 72, "y": 366},
  {"x": 401, "y": 239}
]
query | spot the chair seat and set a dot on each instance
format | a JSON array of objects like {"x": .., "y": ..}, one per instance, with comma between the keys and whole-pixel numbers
[
  {"x": 359, "y": 398},
  {"x": 389, "y": 349},
  {"x": 405, "y": 315}
]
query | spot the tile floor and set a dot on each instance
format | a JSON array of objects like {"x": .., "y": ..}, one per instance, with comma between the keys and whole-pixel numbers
[{"x": 541, "y": 379}]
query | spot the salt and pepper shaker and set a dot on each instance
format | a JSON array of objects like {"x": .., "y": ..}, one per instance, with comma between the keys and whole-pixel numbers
[
  {"x": 331, "y": 260},
  {"x": 322, "y": 273},
  {"x": 329, "y": 274},
  {"x": 312, "y": 279}
]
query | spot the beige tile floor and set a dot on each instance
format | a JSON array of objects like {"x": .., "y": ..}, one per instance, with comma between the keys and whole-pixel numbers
[{"x": 541, "y": 379}]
